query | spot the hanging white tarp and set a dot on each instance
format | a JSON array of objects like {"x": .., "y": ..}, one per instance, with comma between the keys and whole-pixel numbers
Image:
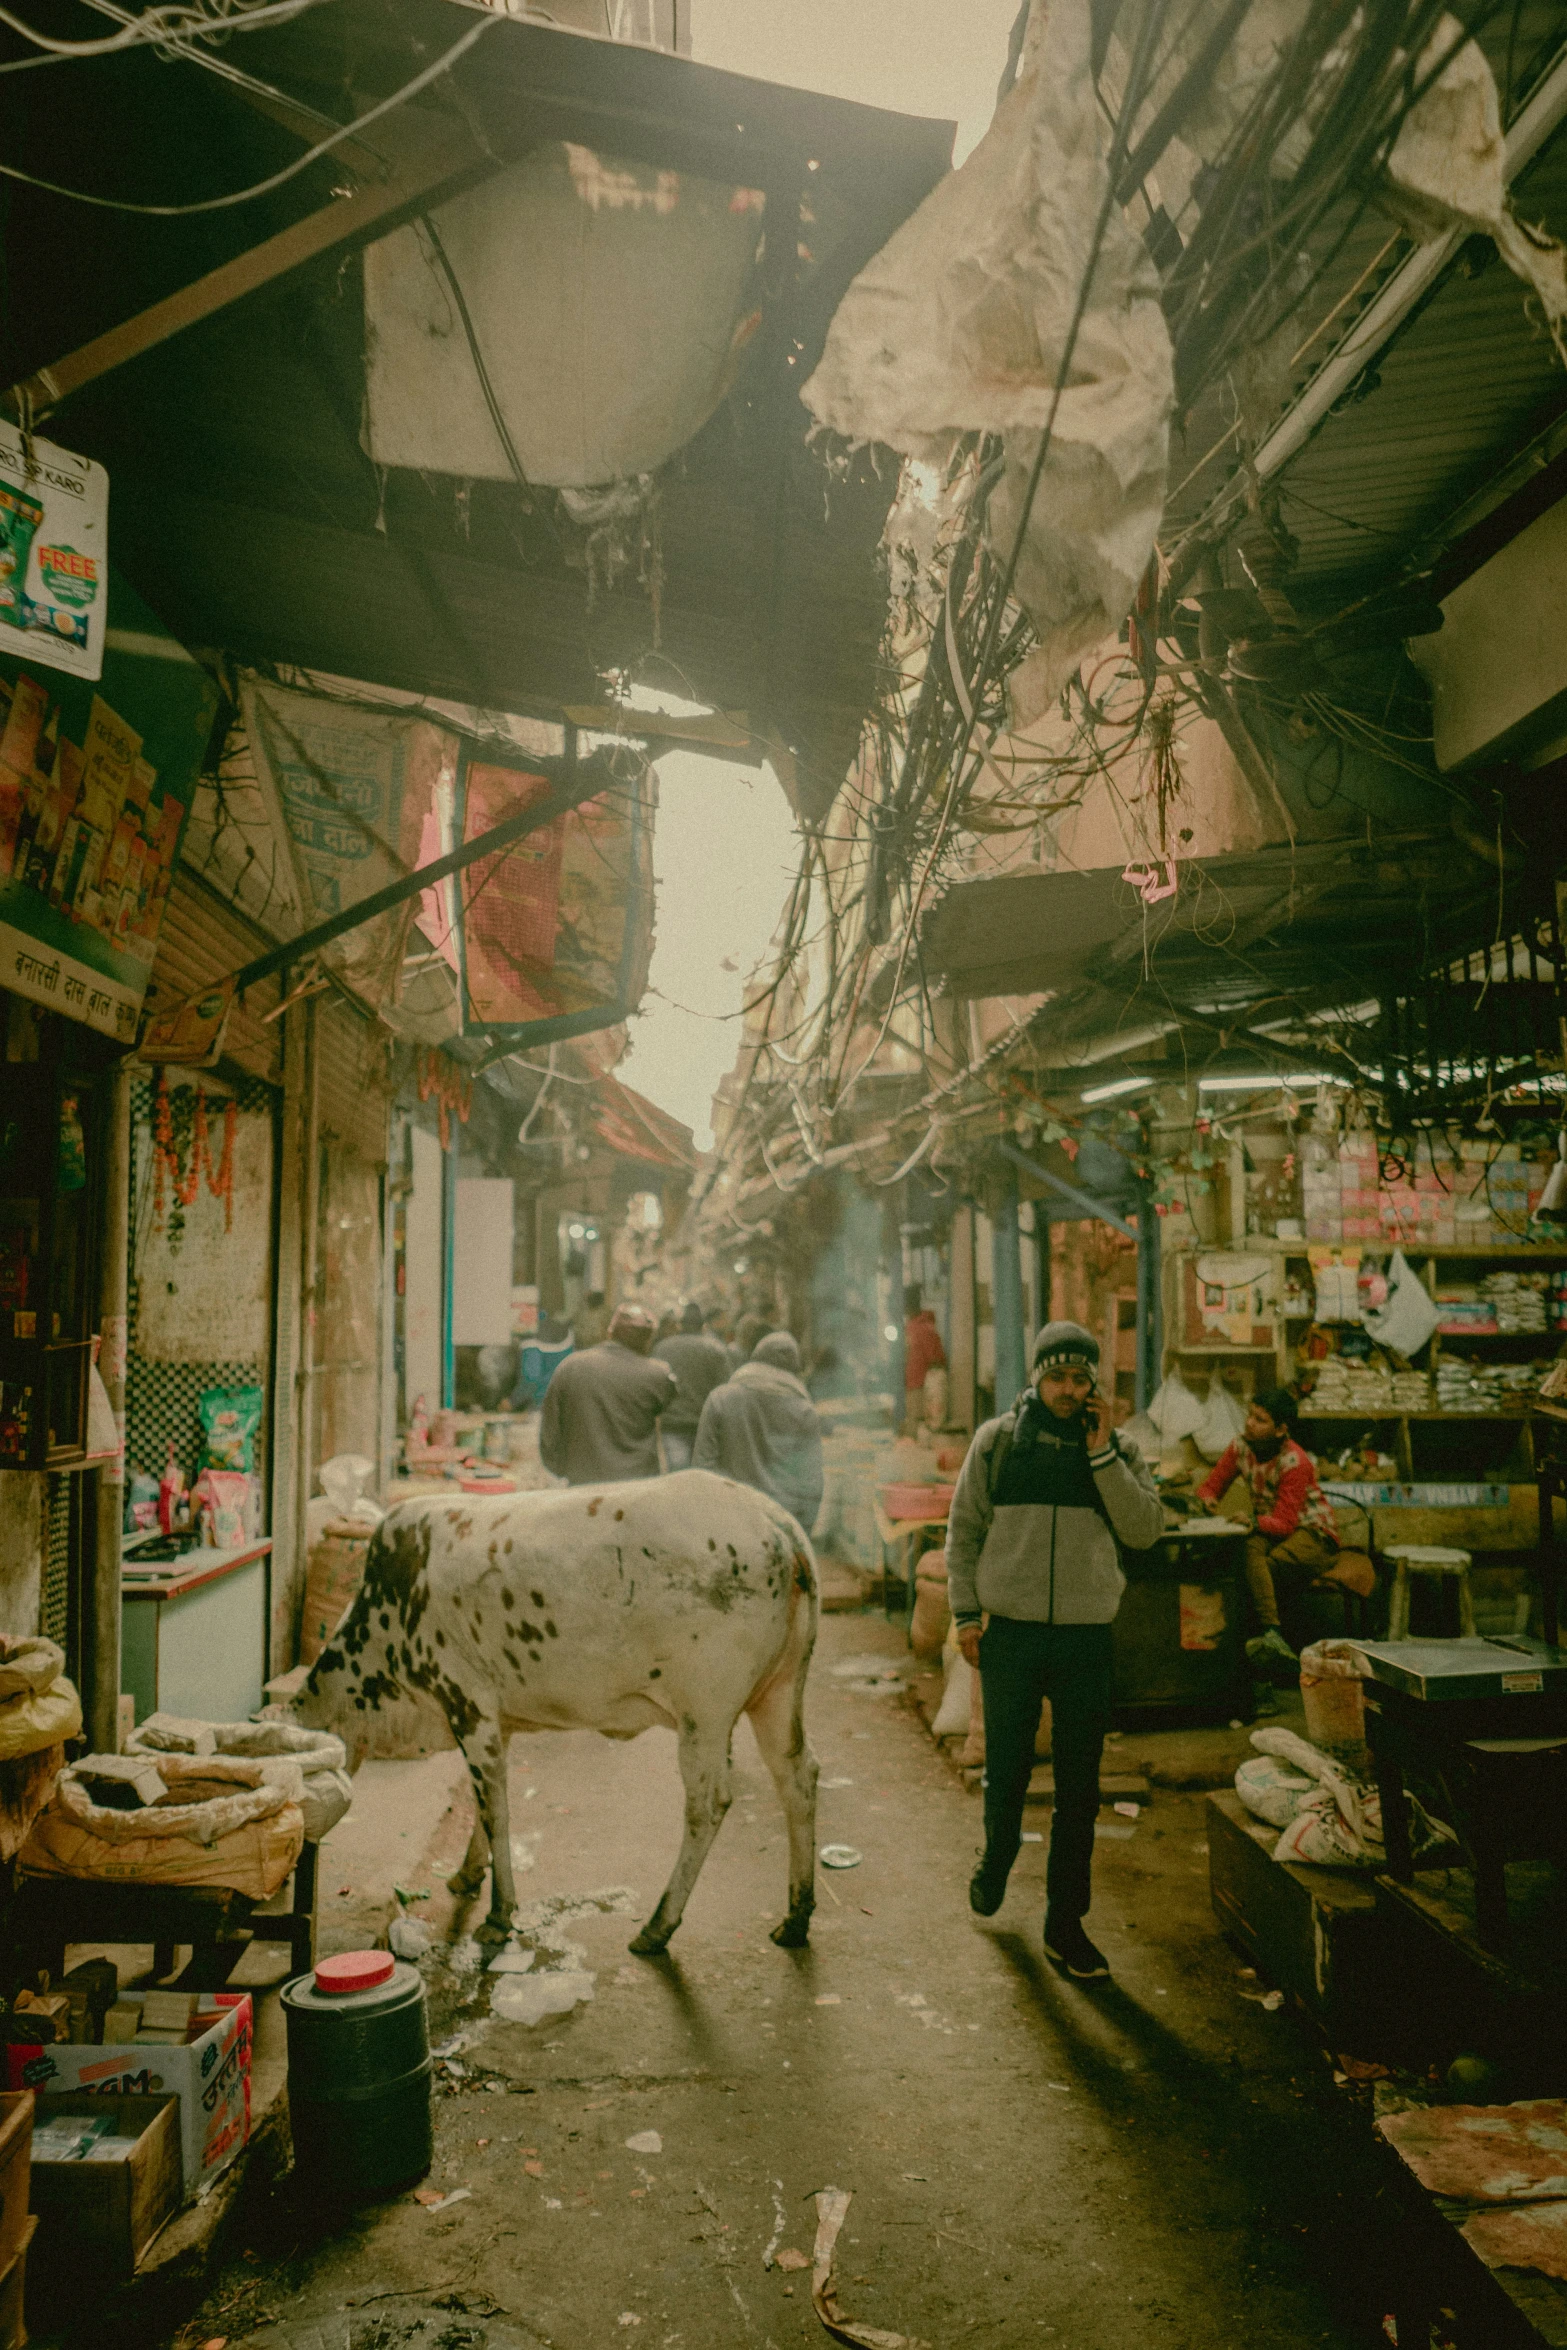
[
  {"x": 609, "y": 303},
  {"x": 961, "y": 324}
]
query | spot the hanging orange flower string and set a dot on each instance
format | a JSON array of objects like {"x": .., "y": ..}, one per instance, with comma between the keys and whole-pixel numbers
[
  {"x": 186, "y": 1182},
  {"x": 451, "y": 1086},
  {"x": 221, "y": 1182}
]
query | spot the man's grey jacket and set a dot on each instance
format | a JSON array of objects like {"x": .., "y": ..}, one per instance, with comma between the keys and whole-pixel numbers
[
  {"x": 761, "y": 1428},
  {"x": 1035, "y": 1531}
]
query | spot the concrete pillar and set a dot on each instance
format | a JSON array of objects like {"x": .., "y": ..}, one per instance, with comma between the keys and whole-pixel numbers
[
  {"x": 1006, "y": 1293},
  {"x": 960, "y": 1346},
  {"x": 1150, "y": 1334},
  {"x": 101, "y": 1659}
]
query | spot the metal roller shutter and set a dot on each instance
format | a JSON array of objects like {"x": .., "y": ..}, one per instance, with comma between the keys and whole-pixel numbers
[
  {"x": 353, "y": 1077},
  {"x": 202, "y": 939}
]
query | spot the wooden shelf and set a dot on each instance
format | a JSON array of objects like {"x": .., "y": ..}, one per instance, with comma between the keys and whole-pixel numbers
[{"x": 1444, "y": 1419}]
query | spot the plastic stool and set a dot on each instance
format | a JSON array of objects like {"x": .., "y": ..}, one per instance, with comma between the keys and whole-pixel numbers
[{"x": 1418, "y": 1558}]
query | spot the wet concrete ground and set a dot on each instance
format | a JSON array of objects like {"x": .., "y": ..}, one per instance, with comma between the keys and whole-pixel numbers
[{"x": 1159, "y": 2159}]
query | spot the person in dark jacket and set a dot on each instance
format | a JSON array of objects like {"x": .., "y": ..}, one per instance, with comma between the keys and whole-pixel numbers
[
  {"x": 761, "y": 1428},
  {"x": 600, "y": 1417},
  {"x": 700, "y": 1364},
  {"x": 1045, "y": 1497}
]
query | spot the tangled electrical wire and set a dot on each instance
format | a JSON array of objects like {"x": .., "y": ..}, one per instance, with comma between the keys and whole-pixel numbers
[{"x": 848, "y": 1001}]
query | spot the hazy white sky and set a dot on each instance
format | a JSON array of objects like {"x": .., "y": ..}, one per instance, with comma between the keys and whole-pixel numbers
[
  {"x": 935, "y": 57},
  {"x": 724, "y": 851},
  {"x": 725, "y": 842}
]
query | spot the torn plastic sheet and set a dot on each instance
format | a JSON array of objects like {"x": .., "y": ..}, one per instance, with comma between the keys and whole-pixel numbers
[
  {"x": 960, "y": 324},
  {"x": 1448, "y": 170},
  {"x": 832, "y": 2206}
]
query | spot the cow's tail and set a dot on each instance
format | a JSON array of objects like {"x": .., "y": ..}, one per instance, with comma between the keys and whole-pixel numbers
[{"x": 776, "y": 1709}]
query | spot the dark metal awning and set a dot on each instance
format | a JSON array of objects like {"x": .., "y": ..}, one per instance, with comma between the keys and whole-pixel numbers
[{"x": 244, "y": 506}]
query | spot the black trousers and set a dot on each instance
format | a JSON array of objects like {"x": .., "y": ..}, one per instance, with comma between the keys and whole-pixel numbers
[{"x": 1021, "y": 1664}]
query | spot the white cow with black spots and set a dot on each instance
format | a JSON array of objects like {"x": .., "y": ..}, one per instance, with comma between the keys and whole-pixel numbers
[{"x": 684, "y": 1600}]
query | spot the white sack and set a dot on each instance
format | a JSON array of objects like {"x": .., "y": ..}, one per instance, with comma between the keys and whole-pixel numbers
[
  {"x": 1269, "y": 1791},
  {"x": 952, "y": 1716},
  {"x": 1409, "y": 1316},
  {"x": 959, "y": 324}
]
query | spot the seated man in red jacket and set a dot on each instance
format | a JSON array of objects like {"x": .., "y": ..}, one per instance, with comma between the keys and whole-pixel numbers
[{"x": 1295, "y": 1537}]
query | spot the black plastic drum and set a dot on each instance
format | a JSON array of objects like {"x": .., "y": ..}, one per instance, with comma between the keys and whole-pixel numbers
[{"x": 359, "y": 2086}]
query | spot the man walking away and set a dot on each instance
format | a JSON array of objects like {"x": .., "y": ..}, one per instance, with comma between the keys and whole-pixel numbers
[
  {"x": 600, "y": 1417},
  {"x": 1295, "y": 1542},
  {"x": 923, "y": 1353},
  {"x": 761, "y": 1428},
  {"x": 1045, "y": 1497},
  {"x": 700, "y": 1364}
]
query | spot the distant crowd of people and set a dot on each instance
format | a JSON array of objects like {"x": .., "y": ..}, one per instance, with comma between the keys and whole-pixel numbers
[{"x": 648, "y": 1399}]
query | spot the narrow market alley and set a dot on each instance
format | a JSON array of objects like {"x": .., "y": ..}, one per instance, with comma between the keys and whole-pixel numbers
[{"x": 1097, "y": 2167}]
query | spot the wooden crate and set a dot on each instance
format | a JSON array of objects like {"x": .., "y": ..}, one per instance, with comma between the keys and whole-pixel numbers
[
  {"x": 13, "y": 2293},
  {"x": 105, "y": 2214},
  {"x": 1314, "y": 1932},
  {"x": 16, "y": 2133}
]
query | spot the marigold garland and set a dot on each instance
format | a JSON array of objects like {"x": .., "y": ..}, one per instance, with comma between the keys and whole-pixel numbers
[
  {"x": 186, "y": 1182},
  {"x": 451, "y": 1086}
]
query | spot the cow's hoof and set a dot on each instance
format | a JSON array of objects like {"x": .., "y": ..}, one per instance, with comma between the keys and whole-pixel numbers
[
  {"x": 464, "y": 1886},
  {"x": 648, "y": 1944},
  {"x": 793, "y": 1934},
  {"x": 493, "y": 1929}
]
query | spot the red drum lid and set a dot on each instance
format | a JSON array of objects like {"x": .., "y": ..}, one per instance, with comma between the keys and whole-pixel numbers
[{"x": 355, "y": 1970}]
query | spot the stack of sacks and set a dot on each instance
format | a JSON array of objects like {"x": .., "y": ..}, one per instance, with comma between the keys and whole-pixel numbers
[
  {"x": 221, "y": 1821},
  {"x": 39, "y": 1707},
  {"x": 282, "y": 1748}
]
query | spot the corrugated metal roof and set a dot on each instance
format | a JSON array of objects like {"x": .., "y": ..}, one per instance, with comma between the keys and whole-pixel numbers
[{"x": 1469, "y": 379}]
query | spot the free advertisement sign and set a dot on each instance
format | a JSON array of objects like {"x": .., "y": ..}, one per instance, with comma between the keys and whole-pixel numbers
[
  {"x": 95, "y": 784},
  {"x": 54, "y": 554}
]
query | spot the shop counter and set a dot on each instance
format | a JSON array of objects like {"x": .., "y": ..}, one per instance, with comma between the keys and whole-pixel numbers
[{"x": 193, "y": 1629}]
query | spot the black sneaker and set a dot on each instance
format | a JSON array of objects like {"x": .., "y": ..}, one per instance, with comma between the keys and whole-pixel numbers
[
  {"x": 986, "y": 1891},
  {"x": 1070, "y": 1947}
]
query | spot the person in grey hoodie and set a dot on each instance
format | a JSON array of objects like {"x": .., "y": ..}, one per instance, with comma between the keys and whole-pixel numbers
[
  {"x": 761, "y": 1428},
  {"x": 1045, "y": 1498},
  {"x": 600, "y": 1418}
]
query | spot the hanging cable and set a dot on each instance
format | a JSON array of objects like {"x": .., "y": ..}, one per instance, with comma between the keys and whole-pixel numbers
[{"x": 421, "y": 81}]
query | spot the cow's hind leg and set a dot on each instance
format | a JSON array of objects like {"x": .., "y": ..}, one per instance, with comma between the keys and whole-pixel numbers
[
  {"x": 484, "y": 1748},
  {"x": 704, "y": 1766},
  {"x": 777, "y": 1717},
  {"x": 470, "y": 1876}
]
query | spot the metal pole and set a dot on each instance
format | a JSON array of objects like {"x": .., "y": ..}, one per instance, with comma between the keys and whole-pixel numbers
[
  {"x": 1006, "y": 1293},
  {"x": 1150, "y": 1335},
  {"x": 103, "y": 1654},
  {"x": 449, "y": 1166},
  {"x": 892, "y": 1280}
]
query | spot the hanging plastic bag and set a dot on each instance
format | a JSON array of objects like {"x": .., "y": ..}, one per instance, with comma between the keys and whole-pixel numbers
[
  {"x": 1175, "y": 1411},
  {"x": 1409, "y": 1317},
  {"x": 1222, "y": 1421}
]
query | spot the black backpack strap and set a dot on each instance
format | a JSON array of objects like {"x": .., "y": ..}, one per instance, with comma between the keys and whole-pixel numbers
[{"x": 1000, "y": 1452}]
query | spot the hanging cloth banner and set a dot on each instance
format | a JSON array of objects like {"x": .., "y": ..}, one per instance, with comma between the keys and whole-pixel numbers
[
  {"x": 557, "y": 932},
  {"x": 362, "y": 796}
]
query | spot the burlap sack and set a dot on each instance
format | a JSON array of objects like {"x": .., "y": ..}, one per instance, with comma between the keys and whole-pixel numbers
[
  {"x": 28, "y": 1664},
  {"x": 36, "y": 1718},
  {"x": 226, "y": 1821},
  {"x": 321, "y": 1758},
  {"x": 932, "y": 1612}
]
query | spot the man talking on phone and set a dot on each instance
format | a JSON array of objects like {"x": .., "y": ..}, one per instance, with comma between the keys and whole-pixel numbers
[{"x": 1046, "y": 1497}]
